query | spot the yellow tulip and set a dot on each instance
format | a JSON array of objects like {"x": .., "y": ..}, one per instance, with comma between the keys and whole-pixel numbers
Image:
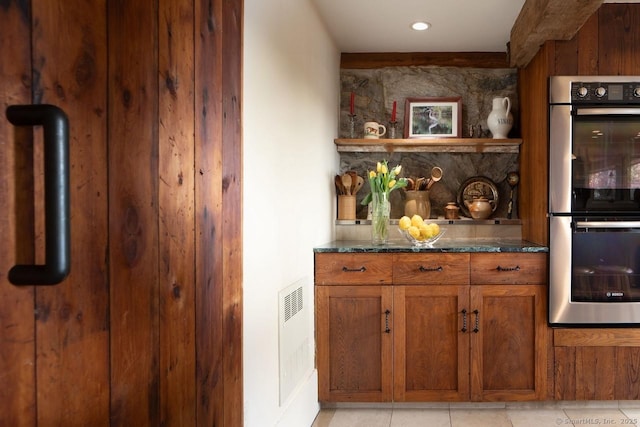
[
  {"x": 379, "y": 167},
  {"x": 392, "y": 183},
  {"x": 384, "y": 168},
  {"x": 397, "y": 170}
]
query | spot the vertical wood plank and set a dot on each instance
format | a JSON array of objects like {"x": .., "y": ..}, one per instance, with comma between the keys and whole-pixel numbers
[
  {"x": 133, "y": 211},
  {"x": 534, "y": 149},
  {"x": 17, "y": 361},
  {"x": 565, "y": 373},
  {"x": 566, "y": 56},
  {"x": 232, "y": 19},
  {"x": 627, "y": 377},
  {"x": 619, "y": 39},
  {"x": 208, "y": 194},
  {"x": 605, "y": 358},
  {"x": 176, "y": 222},
  {"x": 588, "y": 53},
  {"x": 72, "y": 339}
]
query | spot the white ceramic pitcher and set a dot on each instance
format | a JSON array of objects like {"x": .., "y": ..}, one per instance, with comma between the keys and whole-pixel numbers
[{"x": 500, "y": 119}]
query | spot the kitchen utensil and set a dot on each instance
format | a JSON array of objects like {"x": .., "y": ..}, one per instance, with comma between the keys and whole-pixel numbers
[
  {"x": 346, "y": 183},
  {"x": 359, "y": 184},
  {"x": 512, "y": 179},
  {"x": 339, "y": 186},
  {"x": 436, "y": 175},
  {"x": 354, "y": 181}
]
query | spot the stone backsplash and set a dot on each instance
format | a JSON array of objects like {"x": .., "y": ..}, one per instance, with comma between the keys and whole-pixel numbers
[
  {"x": 456, "y": 167},
  {"x": 376, "y": 89}
]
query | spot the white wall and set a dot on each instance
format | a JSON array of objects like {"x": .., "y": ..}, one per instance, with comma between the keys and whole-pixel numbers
[{"x": 291, "y": 90}]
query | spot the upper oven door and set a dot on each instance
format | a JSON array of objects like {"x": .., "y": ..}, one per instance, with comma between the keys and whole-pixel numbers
[{"x": 605, "y": 160}]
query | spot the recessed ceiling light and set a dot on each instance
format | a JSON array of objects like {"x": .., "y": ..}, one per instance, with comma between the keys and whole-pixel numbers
[{"x": 420, "y": 26}]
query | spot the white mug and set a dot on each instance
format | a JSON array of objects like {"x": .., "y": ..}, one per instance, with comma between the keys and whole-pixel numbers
[{"x": 374, "y": 130}]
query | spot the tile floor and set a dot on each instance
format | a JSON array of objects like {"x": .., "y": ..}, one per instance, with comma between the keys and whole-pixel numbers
[{"x": 531, "y": 414}]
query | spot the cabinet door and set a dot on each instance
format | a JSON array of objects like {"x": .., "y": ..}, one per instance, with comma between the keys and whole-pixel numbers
[
  {"x": 354, "y": 339},
  {"x": 508, "y": 351},
  {"x": 431, "y": 350}
]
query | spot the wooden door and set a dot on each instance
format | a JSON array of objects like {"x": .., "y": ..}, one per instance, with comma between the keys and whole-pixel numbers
[
  {"x": 354, "y": 328},
  {"x": 431, "y": 350},
  {"x": 508, "y": 353},
  {"x": 146, "y": 330}
]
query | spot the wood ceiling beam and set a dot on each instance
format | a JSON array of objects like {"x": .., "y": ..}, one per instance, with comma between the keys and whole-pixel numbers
[{"x": 542, "y": 20}]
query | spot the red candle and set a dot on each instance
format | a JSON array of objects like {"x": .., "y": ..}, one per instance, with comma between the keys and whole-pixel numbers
[
  {"x": 351, "y": 105},
  {"x": 393, "y": 112}
]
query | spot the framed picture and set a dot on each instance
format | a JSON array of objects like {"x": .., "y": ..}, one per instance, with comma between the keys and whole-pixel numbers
[{"x": 433, "y": 117}]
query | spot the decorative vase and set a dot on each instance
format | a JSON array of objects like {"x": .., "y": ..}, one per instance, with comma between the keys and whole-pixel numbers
[
  {"x": 380, "y": 211},
  {"x": 500, "y": 119},
  {"x": 417, "y": 202}
]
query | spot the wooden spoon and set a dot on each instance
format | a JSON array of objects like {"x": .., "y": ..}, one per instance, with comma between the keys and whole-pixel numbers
[
  {"x": 354, "y": 181},
  {"x": 339, "y": 187},
  {"x": 436, "y": 175},
  {"x": 346, "y": 183},
  {"x": 359, "y": 184}
]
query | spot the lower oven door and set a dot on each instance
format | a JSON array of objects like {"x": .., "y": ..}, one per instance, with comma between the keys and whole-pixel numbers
[{"x": 594, "y": 272}]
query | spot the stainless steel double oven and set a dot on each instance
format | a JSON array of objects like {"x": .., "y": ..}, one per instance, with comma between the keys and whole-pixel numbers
[{"x": 594, "y": 201}]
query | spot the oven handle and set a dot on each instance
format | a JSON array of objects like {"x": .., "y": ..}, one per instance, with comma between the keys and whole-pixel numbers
[
  {"x": 616, "y": 111},
  {"x": 607, "y": 224}
]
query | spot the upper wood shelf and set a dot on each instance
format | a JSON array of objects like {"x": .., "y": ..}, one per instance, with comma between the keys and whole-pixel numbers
[{"x": 430, "y": 145}]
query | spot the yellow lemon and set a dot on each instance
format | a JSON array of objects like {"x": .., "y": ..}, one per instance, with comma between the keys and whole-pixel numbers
[
  {"x": 416, "y": 220},
  {"x": 435, "y": 228},
  {"x": 425, "y": 231},
  {"x": 413, "y": 231},
  {"x": 404, "y": 223}
]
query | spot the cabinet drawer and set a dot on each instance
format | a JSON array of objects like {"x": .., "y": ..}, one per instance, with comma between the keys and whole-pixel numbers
[
  {"x": 352, "y": 269},
  {"x": 509, "y": 268},
  {"x": 431, "y": 269}
]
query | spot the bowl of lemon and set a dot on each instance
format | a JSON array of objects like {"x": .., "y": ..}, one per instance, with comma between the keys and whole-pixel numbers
[{"x": 418, "y": 231}]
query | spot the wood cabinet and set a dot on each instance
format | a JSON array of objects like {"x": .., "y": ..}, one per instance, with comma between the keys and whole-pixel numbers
[{"x": 435, "y": 331}]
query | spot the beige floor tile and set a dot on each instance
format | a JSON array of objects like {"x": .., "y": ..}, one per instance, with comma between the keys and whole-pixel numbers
[
  {"x": 420, "y": 418},
  {"x": 595, "y": 416},
  {"x": 537, "y": 417},
  {"x": 355, "y": 418},
  {"x": 479, "y": 418},
  {"x": 633, "y": 414}
]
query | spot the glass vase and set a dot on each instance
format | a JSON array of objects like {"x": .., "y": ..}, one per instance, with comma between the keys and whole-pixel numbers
[{"x": 380, "y": 211}]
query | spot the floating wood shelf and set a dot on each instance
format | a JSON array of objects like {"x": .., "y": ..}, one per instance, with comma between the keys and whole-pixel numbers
[{"x": 429, "y": 145}]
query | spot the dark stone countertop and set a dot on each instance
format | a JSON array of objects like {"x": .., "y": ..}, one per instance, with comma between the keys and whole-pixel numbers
[{"x": 441, "y": 246}]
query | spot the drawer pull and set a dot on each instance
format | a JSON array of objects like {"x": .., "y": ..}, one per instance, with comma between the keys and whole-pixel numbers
[
  {"x": 386, "y": 321},
  {"x": 352, "y": 270},
  {"x": 516, "y": 268},
  {"x": 430, "y": 269},
  {"x": 476, "y": 328},
  {"x": 464, "y": 320}
]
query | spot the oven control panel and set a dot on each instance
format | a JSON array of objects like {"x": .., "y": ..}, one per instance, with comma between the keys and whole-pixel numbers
[{"x": 605, "y": 93}]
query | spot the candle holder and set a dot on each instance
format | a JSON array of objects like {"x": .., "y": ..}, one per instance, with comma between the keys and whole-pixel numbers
[
  {"x": 352, "y": 126},
  {"x": 391, "y": 129}
]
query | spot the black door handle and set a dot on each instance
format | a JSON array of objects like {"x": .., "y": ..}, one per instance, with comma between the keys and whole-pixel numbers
[{"x": 56, "y": 194}]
